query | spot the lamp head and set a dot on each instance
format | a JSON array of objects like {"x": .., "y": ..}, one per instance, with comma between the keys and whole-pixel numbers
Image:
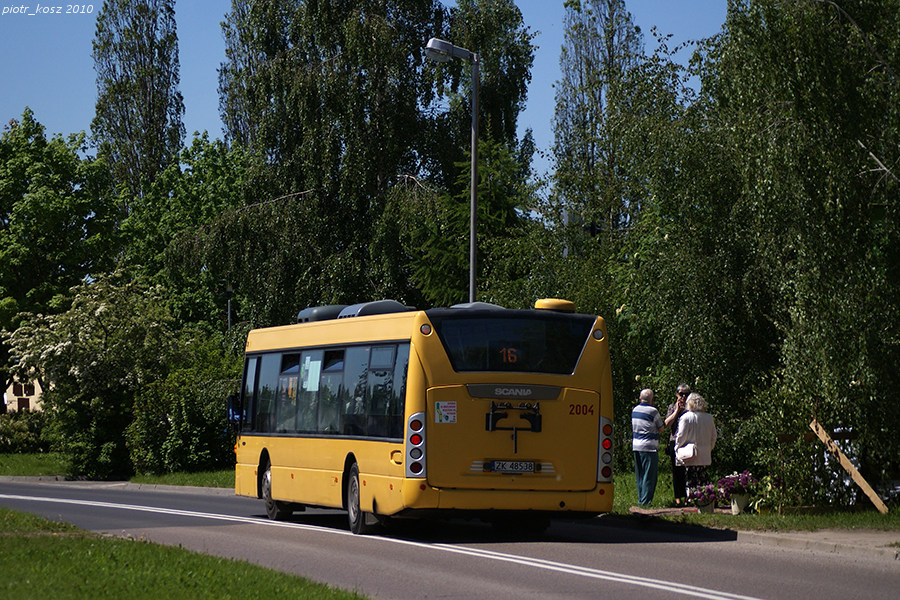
[{"x": 439, "y": 50}]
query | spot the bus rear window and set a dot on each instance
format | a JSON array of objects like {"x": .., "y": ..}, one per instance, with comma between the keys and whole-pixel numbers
[{"x": 517, "y": 341}]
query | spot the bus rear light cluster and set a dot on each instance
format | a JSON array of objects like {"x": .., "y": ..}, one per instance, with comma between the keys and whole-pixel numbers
[
  {"x": 415, "y": 445},
  {"x": 604, "y": 451}
]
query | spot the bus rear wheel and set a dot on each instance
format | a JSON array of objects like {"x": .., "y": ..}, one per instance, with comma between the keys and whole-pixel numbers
[
  {"x": 356, "y": 517},
  {"x": 275, "y": 509}
]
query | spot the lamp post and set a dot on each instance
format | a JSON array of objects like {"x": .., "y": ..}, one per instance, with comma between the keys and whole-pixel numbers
[{"x": 441, "y": 51}]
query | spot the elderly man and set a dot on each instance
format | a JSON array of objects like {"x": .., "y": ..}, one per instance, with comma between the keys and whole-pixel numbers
[{"x": 645, "y": 427}]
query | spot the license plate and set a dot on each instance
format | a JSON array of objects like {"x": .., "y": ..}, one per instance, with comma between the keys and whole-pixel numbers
[{"x": 512, "y": 466}]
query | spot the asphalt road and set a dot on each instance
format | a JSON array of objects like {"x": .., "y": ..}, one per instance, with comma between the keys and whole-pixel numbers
[{"x": 597, "y": 558}]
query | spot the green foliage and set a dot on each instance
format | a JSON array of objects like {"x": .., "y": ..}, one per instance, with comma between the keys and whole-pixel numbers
[
  {"x": 184, "y": 200},
  {"x": 808, "y": 95},
  {"x": 759, "y": 255},
  {"x": 180, "y": 422},
  {"x": 328, "y": 101},
  {"x": 115, "y": 339},
  {"x": 339, "y": 106},
  {"x": 139, "y": 108},
  {"x": 21, "y": 432},
  {"x": 432, "y": 231},
  {"x": 55, "y": 221}
]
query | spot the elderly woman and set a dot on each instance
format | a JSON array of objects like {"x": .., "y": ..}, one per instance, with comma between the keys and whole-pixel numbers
[{"x": 694, "y": 441}]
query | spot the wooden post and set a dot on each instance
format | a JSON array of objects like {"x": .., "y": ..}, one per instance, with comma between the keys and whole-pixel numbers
[{"x": 848, "y": 466}]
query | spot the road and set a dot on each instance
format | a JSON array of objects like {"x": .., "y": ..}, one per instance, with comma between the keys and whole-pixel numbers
[{"x": 594, "y": 558}]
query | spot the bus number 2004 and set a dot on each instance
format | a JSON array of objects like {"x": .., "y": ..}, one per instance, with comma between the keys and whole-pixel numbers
[{"x": 581, "y": 409}]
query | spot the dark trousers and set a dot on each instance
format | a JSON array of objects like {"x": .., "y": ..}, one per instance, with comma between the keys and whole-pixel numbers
[
  {"x": 679, "y": 482},
  {"x": 646, "y": 465}
]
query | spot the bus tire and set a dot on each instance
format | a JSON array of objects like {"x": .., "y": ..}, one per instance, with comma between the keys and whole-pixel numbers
[
  {"x": 275, "y": 509},
  {"x": 356, "y": 517}
]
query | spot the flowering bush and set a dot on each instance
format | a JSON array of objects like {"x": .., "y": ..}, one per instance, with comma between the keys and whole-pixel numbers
[
  {"x": 736, "y": 483},
  {"x": 703, "y": 495}
]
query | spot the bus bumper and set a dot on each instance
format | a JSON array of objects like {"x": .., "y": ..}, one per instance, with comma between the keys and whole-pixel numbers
[{"x": 418, "y": 495}]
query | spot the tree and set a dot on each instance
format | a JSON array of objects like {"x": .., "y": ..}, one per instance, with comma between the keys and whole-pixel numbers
[
  {"x": 767, "y": 221},
  {"x": 114, "y": 340},
  {"x": 809, "y": 92},
  {"x": 432, "y": 231},
  {"x": 327, "y": 100},
  {"x": 55, "y": 221},
  {"x": 179, "y": 422},
  {"x": 424, "y": 234},
  {"x": 336, "y": 105},
  {"x": 601, "y": 44},
  {"x": 187, "y": 197},
  {"x": 138, "y": 122}
]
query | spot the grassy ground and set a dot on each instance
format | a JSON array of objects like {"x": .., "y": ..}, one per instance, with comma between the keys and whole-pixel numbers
[
  {"x": 56, "y": 560},
  {"x": 625, "y": 497},
  {"x": 794, "y": 519},
  {"x": 49, "y": 463}
]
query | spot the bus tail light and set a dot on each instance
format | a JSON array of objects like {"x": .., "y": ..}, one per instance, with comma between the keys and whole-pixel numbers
[
  {"x": 605, "y": 452},
  {"x": 415, "y": 446}
]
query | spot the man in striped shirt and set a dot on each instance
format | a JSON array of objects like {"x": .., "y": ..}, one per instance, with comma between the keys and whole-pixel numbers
[{"x": 645, "y": 427}]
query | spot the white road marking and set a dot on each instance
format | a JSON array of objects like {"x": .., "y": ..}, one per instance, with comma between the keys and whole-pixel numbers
[{"x": 667, "y": 586}]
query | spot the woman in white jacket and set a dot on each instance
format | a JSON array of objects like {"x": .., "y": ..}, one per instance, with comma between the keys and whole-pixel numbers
[{"x": 694, "y": 441}]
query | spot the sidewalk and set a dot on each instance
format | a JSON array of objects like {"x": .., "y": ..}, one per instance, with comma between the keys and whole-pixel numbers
[{"x": 861, "y": 542}]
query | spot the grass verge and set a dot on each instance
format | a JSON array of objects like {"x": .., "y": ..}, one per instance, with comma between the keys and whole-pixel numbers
[
  {"x": 56, "y": 560},
  {"x": 222, "y": 479},
  {"x": 793, "y": 519},
  {"x": 48, "y": 463}
]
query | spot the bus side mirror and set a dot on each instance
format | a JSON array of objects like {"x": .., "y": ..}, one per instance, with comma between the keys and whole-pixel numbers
[{"x": 234, "y": 409}]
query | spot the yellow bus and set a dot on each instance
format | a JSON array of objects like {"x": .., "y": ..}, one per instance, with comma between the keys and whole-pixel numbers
[{"x": 382, "y": 410}]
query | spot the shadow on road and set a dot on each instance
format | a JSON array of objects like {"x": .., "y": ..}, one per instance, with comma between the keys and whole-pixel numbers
[{"x": 606, "y": 529}]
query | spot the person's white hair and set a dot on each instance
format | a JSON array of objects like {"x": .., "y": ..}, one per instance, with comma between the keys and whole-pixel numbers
[
  {"x": 696, "y": 403},
  {"x": 646, "y": 396}
]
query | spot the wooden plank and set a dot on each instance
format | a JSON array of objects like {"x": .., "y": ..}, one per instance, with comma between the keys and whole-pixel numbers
[{"x": 848, "y": 466}]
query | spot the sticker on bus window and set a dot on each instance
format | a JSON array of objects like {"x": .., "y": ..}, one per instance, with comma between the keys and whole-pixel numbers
[{"x": 445, "y": 412}]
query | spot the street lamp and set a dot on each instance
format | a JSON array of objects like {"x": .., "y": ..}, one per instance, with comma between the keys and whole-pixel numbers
[{"x": 441, "y": 51}]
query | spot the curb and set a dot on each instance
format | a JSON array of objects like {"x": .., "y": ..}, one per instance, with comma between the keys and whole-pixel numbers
[{"x": 800, "y": 542}]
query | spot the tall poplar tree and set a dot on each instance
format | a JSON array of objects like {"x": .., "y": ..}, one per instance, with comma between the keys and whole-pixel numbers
[
  {"x": 601, "y": 44},
  {"x": 138, "y": 123}
]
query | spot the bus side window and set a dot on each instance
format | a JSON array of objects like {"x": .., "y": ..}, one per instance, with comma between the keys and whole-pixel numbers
[
  {"x": 379, "y": 390},
  {"x": 248, "y": 404},
  {"x": 398, "y": 397},
  {"x": 353, "y": 393},
  {"x": 307, "y": 404},
  {"x": 270, "y": 368},
  {"x": 330, "y": 392},
  {"x": 288, "y": 382}
]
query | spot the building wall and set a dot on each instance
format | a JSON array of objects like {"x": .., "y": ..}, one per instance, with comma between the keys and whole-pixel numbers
[{"x": 22, "y": 396}]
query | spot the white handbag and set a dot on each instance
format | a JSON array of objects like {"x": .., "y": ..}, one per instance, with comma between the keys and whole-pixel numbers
[{"x": 685, "y": 452}]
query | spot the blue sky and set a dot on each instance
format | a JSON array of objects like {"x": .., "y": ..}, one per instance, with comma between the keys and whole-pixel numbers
[{"x": 45, "y": 59}]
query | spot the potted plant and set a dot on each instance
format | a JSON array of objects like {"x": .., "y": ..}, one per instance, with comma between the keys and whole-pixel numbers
[
  {"x": 704, "y": 497},
  {"x": 736, "y": 488},
  {"x": 768, "y": 494}
]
